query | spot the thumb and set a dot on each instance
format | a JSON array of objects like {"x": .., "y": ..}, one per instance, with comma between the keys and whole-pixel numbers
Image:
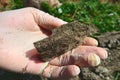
[{"x": 45, "y": 20}]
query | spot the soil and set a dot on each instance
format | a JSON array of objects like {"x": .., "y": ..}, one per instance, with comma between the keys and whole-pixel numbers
[
  {"x": 105, "y": 71},
  {"x": 63, "y": 39}
]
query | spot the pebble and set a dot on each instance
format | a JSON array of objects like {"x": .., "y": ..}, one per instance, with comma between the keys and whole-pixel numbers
[{"x": 101, "y": 70}]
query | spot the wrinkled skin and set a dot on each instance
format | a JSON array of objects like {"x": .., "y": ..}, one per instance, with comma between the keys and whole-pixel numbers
[{"x": 20, "y": 28}]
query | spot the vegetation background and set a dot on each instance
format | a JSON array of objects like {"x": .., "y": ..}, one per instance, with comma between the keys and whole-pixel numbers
[{"x": 104, "y": 15}]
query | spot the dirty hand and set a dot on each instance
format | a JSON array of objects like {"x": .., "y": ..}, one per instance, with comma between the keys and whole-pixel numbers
[{"x": 20, "y": 28}]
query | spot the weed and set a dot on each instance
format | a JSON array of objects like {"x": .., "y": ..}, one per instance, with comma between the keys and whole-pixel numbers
[
  {"x": 117, "y": 76},
  {"x": 105, "y": 16}
]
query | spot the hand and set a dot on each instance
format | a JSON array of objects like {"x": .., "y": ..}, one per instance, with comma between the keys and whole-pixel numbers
[{"x": 20, "y": 28}]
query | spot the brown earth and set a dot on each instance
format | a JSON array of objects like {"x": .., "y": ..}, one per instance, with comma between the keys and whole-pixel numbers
[
  {"x": 63, "y": 39},
  {"x": 105, "y": 71}
]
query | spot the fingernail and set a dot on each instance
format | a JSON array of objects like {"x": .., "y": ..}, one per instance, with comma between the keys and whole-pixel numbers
[{"x": 93, "y": 59}]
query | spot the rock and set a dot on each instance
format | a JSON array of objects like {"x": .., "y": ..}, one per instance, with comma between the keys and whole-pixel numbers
[
  {"x": 4, "y": 3},
  {"x": 33, "y": 3},
  {"x": 37, "y": 3},
  {"x": 101, "y": 70}
]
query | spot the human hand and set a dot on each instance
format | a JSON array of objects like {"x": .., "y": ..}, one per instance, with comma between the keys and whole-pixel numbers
[{"x": 20, "y": 28}]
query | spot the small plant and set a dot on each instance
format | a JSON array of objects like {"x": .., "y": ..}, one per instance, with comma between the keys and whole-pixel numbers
[
  {"x": 117, "y": 76},
  {"x": 105, "y": 16},
  {"x": 18, "y": 4}
]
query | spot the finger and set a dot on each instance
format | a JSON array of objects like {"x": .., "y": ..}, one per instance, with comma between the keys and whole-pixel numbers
[
  {"x": 81, "y": 55},
  {"x": 69, "y": 59},
  {"x": 61, "y": 72},
  {"x": 85, "y": 50},
  {"x": 41, "y": 68},
  {"x": 45, "y": 20},
  {"x": 90, "y": 41}
]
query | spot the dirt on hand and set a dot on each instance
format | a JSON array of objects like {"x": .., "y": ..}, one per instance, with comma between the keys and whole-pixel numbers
[{"x": 105, "y": 71}]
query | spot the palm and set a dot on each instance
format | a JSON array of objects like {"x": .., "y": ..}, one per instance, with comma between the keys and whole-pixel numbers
[
  {"x": 17, "y": 37},
  {"x": 20, "y": 34}
]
